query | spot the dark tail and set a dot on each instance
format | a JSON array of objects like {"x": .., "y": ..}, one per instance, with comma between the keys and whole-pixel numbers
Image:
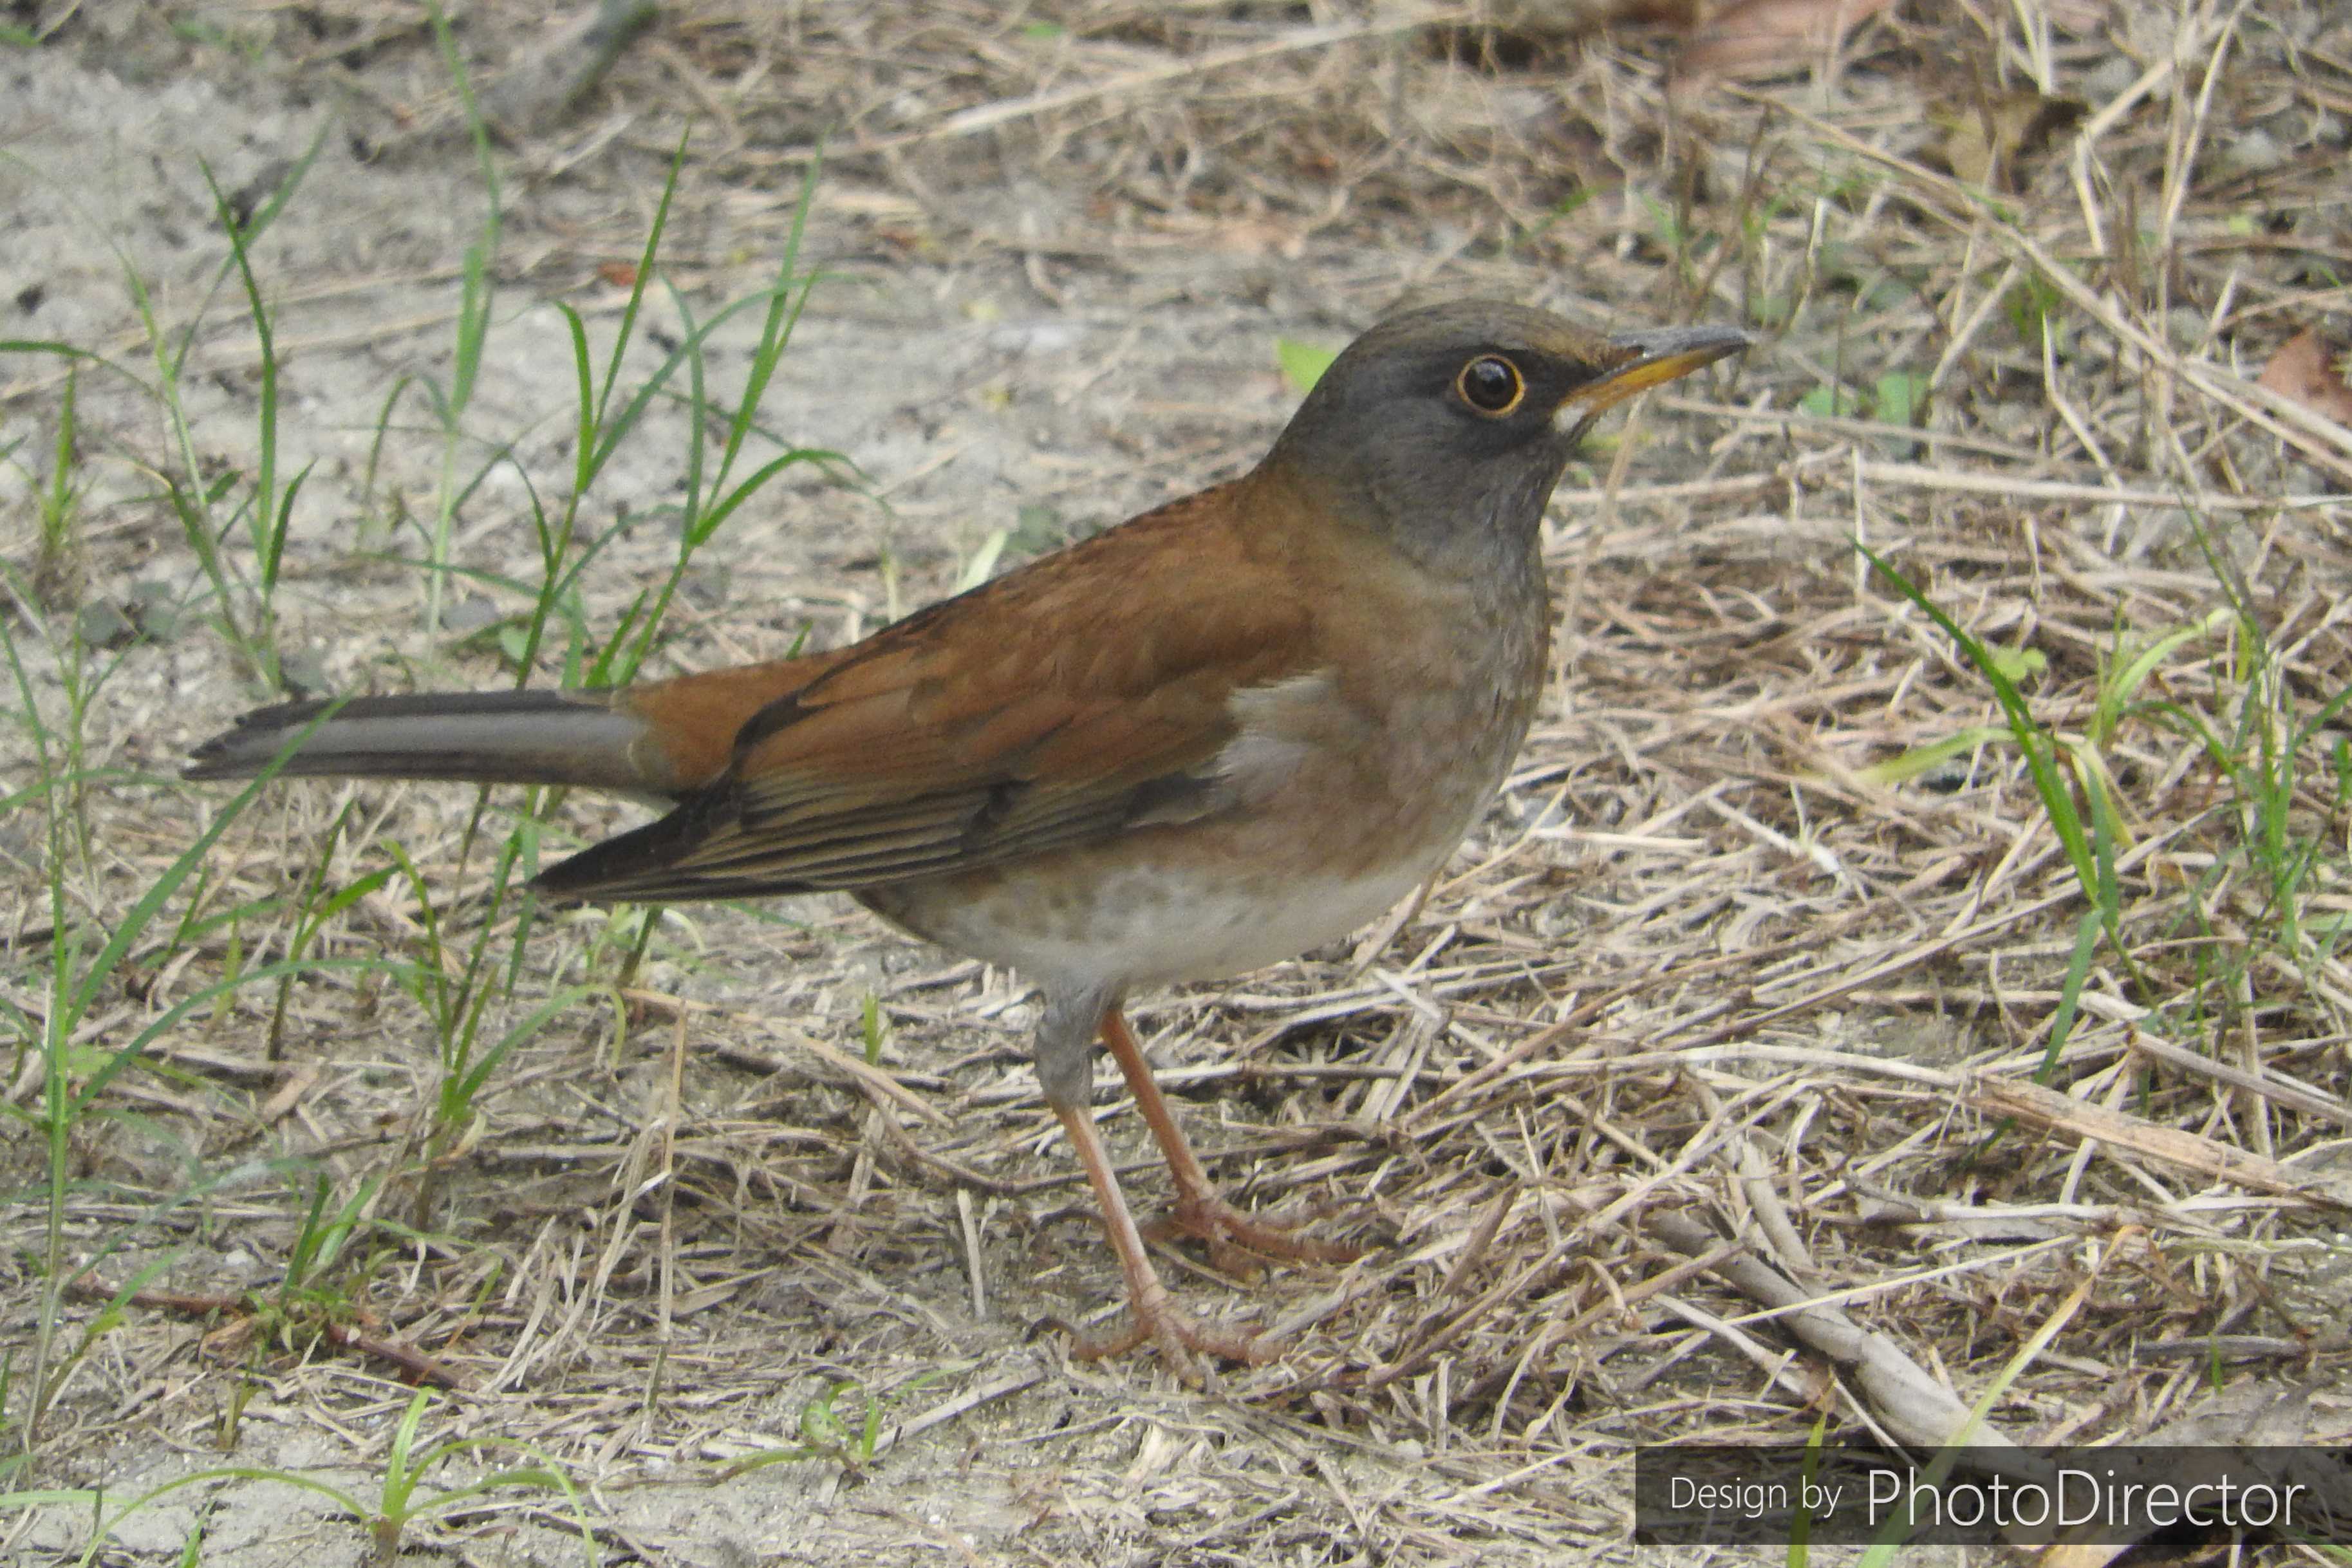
[{"x": 540, "y": 737}]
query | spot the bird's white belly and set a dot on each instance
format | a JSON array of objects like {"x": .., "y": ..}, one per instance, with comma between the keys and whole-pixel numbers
[
  {"x": 1151, "y": 925},
  {"x": 1216, "y": 932}
]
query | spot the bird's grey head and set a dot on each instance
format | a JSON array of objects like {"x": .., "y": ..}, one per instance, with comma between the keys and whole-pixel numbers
[{"x": 1446, "y": 427}]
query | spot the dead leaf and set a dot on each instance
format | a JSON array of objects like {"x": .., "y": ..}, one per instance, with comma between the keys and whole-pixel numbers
[
  {"x": 1766, "y": 38},
  {"x": 1983, "y": 142},
  {"x": 299, "y": 1083},
  {"x": 2313, "y": 372}
]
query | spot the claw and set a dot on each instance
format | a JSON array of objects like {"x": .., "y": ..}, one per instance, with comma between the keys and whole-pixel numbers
[{"x": 1207, "y": 1216}]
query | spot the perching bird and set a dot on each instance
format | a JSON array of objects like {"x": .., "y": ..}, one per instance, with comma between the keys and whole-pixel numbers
[{"x": 1233, "y": 729}]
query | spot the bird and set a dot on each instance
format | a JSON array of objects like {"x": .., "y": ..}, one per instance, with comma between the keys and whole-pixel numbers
[{"x": 1228, "y": 730}]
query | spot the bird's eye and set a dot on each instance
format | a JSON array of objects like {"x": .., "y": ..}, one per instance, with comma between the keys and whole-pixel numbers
[{"x": 1491, "y": 385}]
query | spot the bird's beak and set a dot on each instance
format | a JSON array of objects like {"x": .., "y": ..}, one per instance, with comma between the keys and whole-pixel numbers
[{"x": 1651, "y": 359}]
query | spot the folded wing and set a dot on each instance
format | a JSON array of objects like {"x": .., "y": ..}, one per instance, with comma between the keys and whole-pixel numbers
[{"x": 969, "y": 735}]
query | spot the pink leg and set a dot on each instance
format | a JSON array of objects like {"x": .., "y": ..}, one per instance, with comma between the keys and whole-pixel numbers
[
  {"x": 1200, "y": 1211},
  {"x": 1176, "y": 1333}
]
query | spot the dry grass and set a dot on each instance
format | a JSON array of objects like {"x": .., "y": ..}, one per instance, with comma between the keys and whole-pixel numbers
[{"x": 1736, "y": 992}]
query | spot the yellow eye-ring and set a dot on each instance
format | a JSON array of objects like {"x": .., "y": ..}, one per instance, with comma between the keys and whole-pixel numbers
[{"x": 1491, "y": 385}]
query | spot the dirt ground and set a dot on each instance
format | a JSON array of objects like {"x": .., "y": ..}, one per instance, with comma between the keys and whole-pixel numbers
[{"x": 1698, "y": 962}]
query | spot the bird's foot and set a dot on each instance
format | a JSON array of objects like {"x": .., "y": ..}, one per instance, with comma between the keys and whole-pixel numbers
[
  {"x": 1182, "y": 1339},
  {"x": 1207, "y": 1216}
]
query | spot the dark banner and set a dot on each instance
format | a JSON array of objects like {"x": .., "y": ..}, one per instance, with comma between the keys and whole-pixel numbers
[{"x": 1991, "y": 1496}]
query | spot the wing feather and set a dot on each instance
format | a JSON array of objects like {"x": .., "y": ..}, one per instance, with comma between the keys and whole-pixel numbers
[{"x": 1040, "y": 710}]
